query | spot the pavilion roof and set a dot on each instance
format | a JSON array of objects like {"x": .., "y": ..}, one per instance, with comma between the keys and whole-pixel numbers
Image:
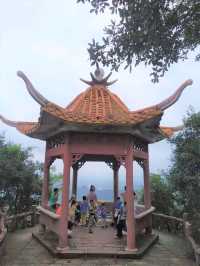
[
  {"x": 97, "y": 105},
  {"x": 94, "y": 110}
]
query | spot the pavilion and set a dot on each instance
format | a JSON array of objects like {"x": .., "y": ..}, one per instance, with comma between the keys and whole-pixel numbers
[{"x": 97, "y": 126}]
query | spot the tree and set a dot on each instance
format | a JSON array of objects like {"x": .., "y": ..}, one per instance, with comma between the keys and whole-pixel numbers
[
  {"x": 161, "y": 195},
  {"x": 184, "y": 175},
  {"x": 154, "y": 32},
  {"x": 19, "y": 175}
]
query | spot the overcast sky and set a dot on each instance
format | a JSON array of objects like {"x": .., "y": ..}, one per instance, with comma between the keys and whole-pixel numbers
[{"x": 48, "y": 40}]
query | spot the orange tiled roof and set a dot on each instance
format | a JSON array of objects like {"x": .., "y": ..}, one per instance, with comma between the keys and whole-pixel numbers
[
  {"x": 97, "y": 105},
  {"x": 27, "y": 127},
  {"x": 169, "y": 131}
]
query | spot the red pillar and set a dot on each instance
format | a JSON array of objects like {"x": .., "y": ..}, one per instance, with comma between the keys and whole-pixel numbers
[
  {"x": 116, "y": 182},
  {"x": 63, "y": 233},
  {"x": 45, "y": 185},
  {"x": 74, "y": 181},
  {"x": 147, "y": 186},
  {"x": 131, "y": 242}
]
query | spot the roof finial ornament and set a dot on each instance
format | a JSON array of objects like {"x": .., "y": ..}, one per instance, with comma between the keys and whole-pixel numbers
[
  {"x": 98, "y": 73},
  {"x": 98, "y": 77}
]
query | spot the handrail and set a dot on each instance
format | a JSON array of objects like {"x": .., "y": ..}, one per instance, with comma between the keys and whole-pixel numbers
[
  {"x": 168, "y": 217},
  {"x": 195, "y": 246},
  {"x": 19, "y": 215},
  {"x": 3, "y": 232},
  {"x": 185, "y": 228},
  {"x": 48, "y": 213},
  {"x": 144, "y": 213}
]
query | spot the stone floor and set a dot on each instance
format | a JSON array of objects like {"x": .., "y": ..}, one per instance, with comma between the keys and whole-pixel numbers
[
  {"x": 23, "y": 250},
  {"x": 102, "y": 242}
]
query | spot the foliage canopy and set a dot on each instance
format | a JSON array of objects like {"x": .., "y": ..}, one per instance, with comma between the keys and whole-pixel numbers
[
  {"x": 19, "y": 176},
  {"x": 155, "y": 32},
  {"x": 184, "y": 175},
  {"x": 161, "y": 194},
  {"x": 185, "y": 171}
]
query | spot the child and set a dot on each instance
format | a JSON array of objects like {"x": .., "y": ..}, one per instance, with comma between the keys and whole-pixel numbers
[
  {"x": 92, "y": 216},
  {"x": 70, "y": 224},
  {"x": 72, "y": 209},
  {"x": 84, "y": 206},
  {"x": 121, "y": 221},
  {"x": 77, "y": 214},
  {"x": 103, "y": 214}
]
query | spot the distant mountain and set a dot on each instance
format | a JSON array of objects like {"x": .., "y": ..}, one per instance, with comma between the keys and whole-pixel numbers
[{"x": 102, "y": 194}]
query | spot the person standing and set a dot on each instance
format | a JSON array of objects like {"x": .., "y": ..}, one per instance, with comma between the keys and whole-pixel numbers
[
  {"x": 103, "y": 214},
  {"x": 72, "y": 210},
  {"x": 77, "y": 214},
  {"x": 92, "y": 194},
  {"x": 70, "y": 224},
  {"x": 124, "y": 196},
  {"x": 92, "y": 216},
  {"x": 117, "y": 206},
  {"x": 84, "y": 206},
  {"x": 121, "y": 220},
  {"x": 53, "y": 199}
]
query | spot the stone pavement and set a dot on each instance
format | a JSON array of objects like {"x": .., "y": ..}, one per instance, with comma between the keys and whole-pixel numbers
[{"x": 23, "y": 250}]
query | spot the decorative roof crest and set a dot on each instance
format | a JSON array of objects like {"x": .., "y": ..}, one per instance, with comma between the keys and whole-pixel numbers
[{"x": 98, "y": 77}]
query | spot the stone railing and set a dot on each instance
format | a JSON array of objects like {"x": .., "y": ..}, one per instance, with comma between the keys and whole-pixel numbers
[
  {"x": 188, "y": 234},
  {"x": 49, "y": 219},
  {"x": 143, "y": 219},
  {"x": 22, "y": 220},
  {"x": 3, "y": 232},
  {"x": 168, "y": 223},
  {"x": 176, "y": 225}
]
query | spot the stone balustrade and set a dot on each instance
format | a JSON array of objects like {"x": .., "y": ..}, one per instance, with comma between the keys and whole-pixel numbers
[
  {"x": 168, "y": 223},
  {"x": 3, "y": 232},
  {"x": 176, "y": 225},
  {"x": 22, "y": 220}
]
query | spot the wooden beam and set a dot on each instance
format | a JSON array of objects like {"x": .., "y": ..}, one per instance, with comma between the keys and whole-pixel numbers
[
  {"x": 140, "y": 154},
  {"x": 54, "y": 152}
]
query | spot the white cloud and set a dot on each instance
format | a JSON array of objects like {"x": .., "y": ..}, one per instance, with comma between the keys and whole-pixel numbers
[{"x": 52, "y": 51}]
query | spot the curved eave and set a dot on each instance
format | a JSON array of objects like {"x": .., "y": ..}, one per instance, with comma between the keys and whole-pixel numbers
[
  {"x": 52, "y": 124},
  {"x": 168, "y": 132},
  {"x": 25, "y": 128},
  {"x": 32, "y": 91},
  {"x": 175, "y": 96},
  {"x": 49, "y": 125},
  {"x": 171, "y": 100}
]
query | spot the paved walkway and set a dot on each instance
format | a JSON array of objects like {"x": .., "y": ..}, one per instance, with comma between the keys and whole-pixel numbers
[{"x": 23, "y": 250}]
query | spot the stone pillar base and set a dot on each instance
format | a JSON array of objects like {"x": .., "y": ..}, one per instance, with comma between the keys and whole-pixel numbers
[
  {"x": 62, "y": 250},
  {"x": 131, "y": 250}
]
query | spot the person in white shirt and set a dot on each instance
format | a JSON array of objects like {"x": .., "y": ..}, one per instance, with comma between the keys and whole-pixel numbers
[{"x": 123, "y": 195}]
